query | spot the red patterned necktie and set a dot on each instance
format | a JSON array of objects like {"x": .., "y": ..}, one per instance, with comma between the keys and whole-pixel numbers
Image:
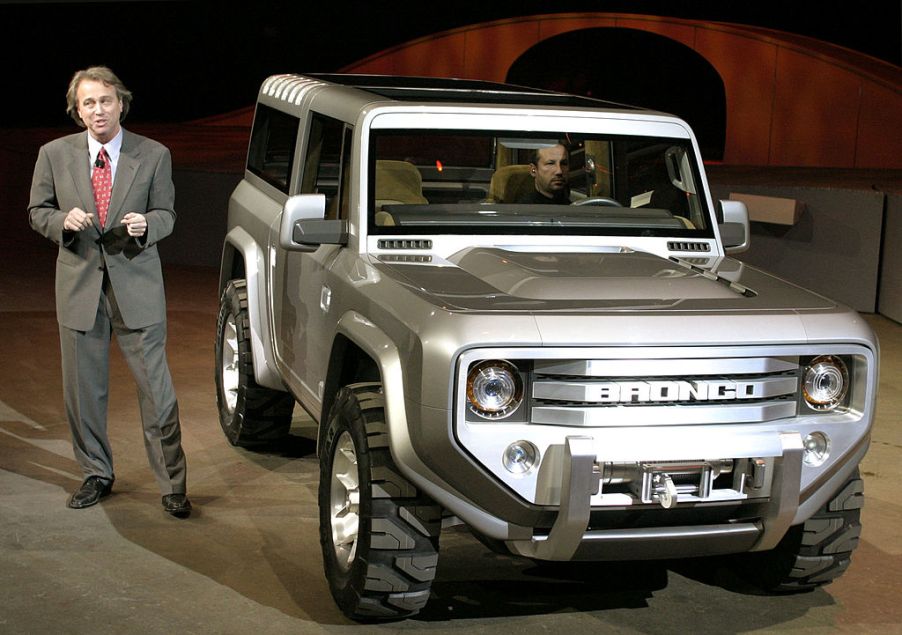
[{"x": 102, "y": 180}]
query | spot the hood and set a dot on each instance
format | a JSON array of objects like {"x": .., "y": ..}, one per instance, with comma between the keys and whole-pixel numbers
[{"x": 493, "y": 279}]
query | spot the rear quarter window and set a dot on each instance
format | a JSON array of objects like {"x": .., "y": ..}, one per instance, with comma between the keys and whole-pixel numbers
[{"x": 273, "y": 140}]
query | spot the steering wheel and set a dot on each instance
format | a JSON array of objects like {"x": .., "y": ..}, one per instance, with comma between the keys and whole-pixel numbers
[{"x": 598, "y": 200}]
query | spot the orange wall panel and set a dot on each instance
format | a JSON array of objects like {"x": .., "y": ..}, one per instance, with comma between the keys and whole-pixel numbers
[
  {"x": 491, "y": 51},
  {"x": 749, "y": 86},
  {"x": 682, "y": 33},
  {"x": 879, "y": 128},
  {"x": 439, "y": 57},
  {"x": 555, "y": 25},
  {"x": 787, "y": 104},
  {"x": 815, "y": 112},
  {"x": 382, "y": 65}
]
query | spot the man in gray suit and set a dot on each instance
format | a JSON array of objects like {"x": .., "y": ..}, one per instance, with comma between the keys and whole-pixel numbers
[{"x": 106, "y": 197}]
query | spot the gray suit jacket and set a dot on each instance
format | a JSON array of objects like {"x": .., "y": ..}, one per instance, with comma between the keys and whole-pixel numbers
[{"x": 143, "y": 184}]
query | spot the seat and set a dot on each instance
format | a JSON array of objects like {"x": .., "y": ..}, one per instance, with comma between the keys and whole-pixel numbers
[
  {"x": 398, "y": 182},
  {"x": 510, "y": 184}
]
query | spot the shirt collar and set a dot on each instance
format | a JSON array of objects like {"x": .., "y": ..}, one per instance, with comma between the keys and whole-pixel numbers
[{"x": 112, "y": 148}]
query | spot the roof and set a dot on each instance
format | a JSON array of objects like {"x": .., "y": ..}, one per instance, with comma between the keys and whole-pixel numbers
[{"x": 440, "y": 89}]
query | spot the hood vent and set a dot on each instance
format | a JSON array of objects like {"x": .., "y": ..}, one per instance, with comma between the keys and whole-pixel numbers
[
  {"x": 688, "y": 246},
  {"x": 405, "y": 258},
  {"x": 398, "y": 243}
]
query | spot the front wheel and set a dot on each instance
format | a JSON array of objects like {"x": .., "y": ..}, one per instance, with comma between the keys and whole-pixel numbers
[
  {"x": 814, "y": 553},
  {"x": 250, "y": 414},
  {"x": 379, "y": 535}
]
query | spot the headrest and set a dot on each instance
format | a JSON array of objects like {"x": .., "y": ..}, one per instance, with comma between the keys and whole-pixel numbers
[
  {"x": 399, "y": 181},
  {"x": 511, "y": 183}
]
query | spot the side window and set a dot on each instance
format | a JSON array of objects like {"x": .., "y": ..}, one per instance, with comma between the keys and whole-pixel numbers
[
  {"x": 323, "y": 162},
  {"x": 345, "y": 196},
  {"x": 273, "y": 140}
]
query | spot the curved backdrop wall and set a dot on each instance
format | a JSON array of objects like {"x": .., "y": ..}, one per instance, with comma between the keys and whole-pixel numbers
[{"x": 773, "y": 98}]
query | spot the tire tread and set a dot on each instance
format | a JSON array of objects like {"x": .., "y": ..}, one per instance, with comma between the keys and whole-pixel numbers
[
  {"x": 261, "y": 415},
  {"x": 399, "y": 561},
  {"x": 815, "y": 553}
]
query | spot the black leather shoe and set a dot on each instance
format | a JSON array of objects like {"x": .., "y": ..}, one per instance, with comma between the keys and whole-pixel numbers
[
  {"x": 91, "y": 491},
  {"x": 177, "y": 504}
]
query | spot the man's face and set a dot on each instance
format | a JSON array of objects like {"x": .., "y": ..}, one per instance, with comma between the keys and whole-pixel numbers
[
  {"x": 99, "y": 108},
  {"x": 551, "y": 170}
]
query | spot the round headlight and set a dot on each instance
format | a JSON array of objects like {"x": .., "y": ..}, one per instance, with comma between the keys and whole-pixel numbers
[
  {"x": 494, "y": 389},
  {"x": 825, "y": 382}
]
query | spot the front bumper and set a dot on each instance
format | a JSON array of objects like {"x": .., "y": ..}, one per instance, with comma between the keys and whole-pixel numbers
[{"x": 571, "y": 539}]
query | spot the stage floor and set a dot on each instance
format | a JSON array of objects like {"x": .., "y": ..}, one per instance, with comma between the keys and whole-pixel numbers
[{"x": 248, "y": 559}]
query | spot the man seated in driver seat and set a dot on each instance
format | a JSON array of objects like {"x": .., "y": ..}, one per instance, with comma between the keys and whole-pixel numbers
[{"x": 549, "y": 168}]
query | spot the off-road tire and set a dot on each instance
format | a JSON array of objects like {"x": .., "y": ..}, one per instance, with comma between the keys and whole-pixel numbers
[
  {"x": 250, "y": 414},
  {"x": 388, "y": 571},
  {"x": 812, "y": 554}
]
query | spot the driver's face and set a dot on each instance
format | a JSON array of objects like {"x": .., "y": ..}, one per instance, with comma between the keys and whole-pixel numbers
[{"x": 551, "y": 170}]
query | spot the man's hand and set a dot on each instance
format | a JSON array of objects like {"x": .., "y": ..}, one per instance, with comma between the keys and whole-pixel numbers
[
  {"x": 77, "y": 220},
  {"x": 136, "y": 223}
]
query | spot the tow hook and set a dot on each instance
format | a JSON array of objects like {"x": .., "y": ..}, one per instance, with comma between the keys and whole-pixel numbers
[{"x": 664, "y": 491}]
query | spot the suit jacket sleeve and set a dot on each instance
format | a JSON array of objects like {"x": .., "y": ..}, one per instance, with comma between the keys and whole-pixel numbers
[
  {"x": 44, "y": 213},
  {"x": 160, "y": 212}
]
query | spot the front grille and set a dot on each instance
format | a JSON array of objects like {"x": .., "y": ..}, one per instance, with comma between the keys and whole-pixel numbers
[{"x": 606, "y": 393}]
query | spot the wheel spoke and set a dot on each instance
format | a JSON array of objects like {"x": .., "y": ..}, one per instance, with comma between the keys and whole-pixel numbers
[
  {"x": 229, "y": 369},
  {"x": 345, "y": 501},
  {"x": 348, "y": 480},
  {"x": 346, "y": 532}
]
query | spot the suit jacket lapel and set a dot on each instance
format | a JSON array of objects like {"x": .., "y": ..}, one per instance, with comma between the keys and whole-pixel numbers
[
  {"x": 126, "y": 170},
  {"x": 81, "y": 174}
]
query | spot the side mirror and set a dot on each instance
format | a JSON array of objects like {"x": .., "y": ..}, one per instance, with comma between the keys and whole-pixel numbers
[
  {"x": 304, "y": 226},
  {"x": 734, "y": 226}
]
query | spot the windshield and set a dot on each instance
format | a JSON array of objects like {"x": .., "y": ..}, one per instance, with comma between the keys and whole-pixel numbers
[{"x": 455, "y": 182}]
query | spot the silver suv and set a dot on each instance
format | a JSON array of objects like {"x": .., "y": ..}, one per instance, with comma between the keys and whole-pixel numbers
[{"x": 590, "y": 380}]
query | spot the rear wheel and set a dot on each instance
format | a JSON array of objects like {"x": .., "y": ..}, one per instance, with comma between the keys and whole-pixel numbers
[
  {"x": 812, "y": 554},
  {"x": 250, "y": 414},
  {"x": 379, "y": 535}
]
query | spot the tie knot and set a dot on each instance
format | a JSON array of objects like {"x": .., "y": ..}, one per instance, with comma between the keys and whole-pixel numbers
[{"x": 103, "y": 160}]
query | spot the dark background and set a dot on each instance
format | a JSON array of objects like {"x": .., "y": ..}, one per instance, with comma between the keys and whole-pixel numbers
[{"x": 186, "y": 59}]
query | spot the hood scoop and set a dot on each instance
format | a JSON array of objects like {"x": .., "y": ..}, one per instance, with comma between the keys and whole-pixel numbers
[{"x": 591, "y": 276}]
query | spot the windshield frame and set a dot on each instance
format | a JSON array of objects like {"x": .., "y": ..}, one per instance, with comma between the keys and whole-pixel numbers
[{"x": 615, "y": 127}]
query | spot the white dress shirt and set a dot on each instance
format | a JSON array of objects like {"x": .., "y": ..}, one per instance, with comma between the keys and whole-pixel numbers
[{"x": 112, "y": 150}]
